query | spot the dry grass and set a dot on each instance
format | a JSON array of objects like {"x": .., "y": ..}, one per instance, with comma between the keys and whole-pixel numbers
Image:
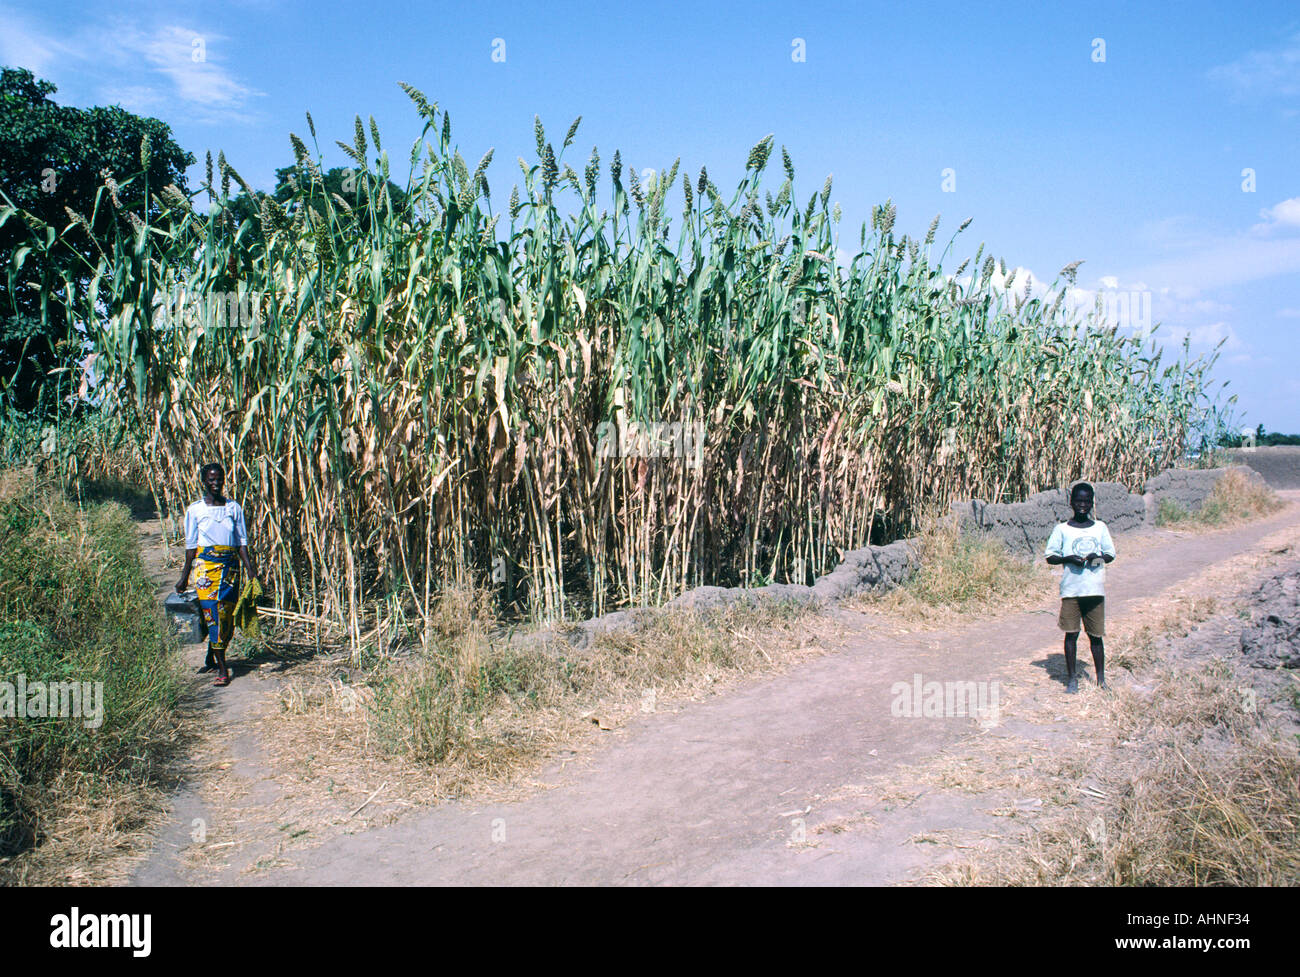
[
  {"x": 482, "y": 704},
  {"x": 96, "y": 831},
  {"x": 974, "y": 575},
  {"x": 1003, "y": 765},
  {"x": 1235, "y": 498},
  {"x": 19, "y": 482},
  {"x": 1204, "y": 812},
  {"x": 1136, "y": 650}
]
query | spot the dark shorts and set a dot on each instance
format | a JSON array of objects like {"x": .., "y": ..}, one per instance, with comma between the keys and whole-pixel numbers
[{"x": 1091, "y": 611}]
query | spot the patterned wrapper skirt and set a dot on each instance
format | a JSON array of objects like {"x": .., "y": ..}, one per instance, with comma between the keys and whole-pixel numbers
[{"x": 217, "y": 586}]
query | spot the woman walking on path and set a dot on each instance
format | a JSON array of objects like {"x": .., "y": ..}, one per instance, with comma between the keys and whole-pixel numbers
[{"x": 216, "y": 545}]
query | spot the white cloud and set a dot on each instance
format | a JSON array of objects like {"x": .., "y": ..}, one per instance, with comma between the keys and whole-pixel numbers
[
  {"x": 1204, "y": 338},
  {"x": 1274, "y": 72},
  {"x": 1282, "y": 216},
  {"x": 172, "y": 51},
  {"x": 1236, "y": 260},
  {"x": 1133, "y": 307},
  {"x": 1214, "y": 333},
  {"x": 165, "y": 65}
]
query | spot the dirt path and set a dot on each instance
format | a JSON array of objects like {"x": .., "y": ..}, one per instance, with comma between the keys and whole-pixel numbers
[
  {"x": 225, "y": 713},
  {"x": 761, "y": 784}
]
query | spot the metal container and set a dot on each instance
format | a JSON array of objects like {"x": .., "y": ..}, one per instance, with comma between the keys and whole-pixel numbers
[{"x": 184, "y": 617}]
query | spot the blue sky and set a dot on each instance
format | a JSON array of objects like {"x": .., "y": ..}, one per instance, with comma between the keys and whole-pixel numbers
[{"x": 1169, "y": 167}]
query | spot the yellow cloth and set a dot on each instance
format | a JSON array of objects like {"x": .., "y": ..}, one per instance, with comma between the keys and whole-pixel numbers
[
  {"x": 246, "y": 608},
  {"x": 216, "y": 573}
]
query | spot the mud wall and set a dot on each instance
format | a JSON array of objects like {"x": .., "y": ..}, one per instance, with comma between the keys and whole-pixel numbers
[
  {"x": 1187, "y": 486},
  {"x": 1279, "y": 466},
  {"x": 1025, "y": 526}
]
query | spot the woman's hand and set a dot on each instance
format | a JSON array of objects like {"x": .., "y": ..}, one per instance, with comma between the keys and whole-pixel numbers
[
  {"x": 183, "y": 582},
  {"x": 246, "y": 559}
]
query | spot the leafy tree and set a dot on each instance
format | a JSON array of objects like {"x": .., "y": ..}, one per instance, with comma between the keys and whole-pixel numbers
[
  {"x": 56, "y": 161},
  {"x": 358, "y": 190}
]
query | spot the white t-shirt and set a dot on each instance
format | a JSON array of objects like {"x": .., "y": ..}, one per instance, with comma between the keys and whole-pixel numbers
[
  {"x": 1067, "y": 540},
  {"x": 214, "y": 525}
]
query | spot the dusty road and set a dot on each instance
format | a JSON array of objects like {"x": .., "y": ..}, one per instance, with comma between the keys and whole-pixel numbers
[{"x": 734, "y": 789}]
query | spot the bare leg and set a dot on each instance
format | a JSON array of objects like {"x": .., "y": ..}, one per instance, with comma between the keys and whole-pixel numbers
[
  {"x": 1071, "y": 661},
  {"x": 1098, "y": 659}
]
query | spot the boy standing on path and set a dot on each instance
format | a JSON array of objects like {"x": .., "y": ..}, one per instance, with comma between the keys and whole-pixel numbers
[{"x": 1082, "y": 547}]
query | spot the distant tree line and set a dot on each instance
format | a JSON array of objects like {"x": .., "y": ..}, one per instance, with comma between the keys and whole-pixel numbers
[{"x": 1262, "y": 439}]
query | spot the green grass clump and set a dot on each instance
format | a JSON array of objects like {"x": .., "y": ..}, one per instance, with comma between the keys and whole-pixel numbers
[
  {"x": 1171, "y": 513},
  {"x": 76, "y": 605}
]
